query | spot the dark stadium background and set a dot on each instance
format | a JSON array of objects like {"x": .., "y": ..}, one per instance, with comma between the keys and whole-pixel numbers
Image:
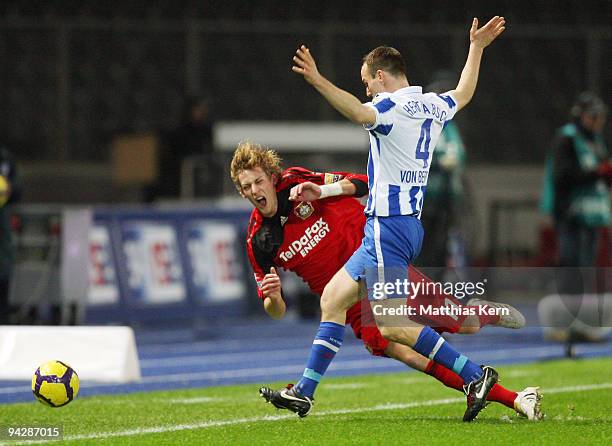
[{"x": 74, "y": 75}]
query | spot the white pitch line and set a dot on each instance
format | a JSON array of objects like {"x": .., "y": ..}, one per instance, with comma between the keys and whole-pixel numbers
[
  {"x": 530, "y": 353},
  {"x": 218, "y": 423},
  {"x": 584, "y": 387},
  {"x": 354, "y": 364},
  {"x": 343, "y": 365}
]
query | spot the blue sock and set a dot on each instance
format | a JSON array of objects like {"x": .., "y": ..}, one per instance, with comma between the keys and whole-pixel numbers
[
  {"x": 327, "y": 342},
  {"x": 433, "y": 346}
]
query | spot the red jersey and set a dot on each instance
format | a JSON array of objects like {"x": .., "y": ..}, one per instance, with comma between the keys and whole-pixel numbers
[
  {"x": 315, "y": 239},
  {"x": 312, "y": 239}
]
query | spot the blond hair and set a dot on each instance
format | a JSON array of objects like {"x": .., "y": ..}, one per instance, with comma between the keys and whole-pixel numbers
[{"x": 249, "y": 155}]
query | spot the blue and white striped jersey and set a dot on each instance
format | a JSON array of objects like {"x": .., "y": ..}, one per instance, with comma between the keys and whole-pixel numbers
[{"x": 408, "y": 124}]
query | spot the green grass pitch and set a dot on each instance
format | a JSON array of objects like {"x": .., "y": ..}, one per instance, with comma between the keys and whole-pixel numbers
[{"x": 401, "y": 408}]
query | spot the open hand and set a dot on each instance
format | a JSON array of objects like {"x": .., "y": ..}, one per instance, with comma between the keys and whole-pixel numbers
[
  {"x": 484, "y": 36},
  {"x": 305, "y": 65}
]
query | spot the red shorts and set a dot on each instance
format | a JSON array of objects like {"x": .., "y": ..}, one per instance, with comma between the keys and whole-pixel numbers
[
  {"x": 361, "y": 319},
  {"x": 365, "y": 328},
  {"x": 441, "y": 323}
]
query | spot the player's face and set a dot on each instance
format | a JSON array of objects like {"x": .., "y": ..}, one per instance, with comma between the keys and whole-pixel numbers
[
  {"x": 258, "y": 187},
  {"x": 373, "y": 84}
]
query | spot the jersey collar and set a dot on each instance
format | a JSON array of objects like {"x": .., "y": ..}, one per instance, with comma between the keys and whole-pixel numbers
[
  {"x": 284, "y": 206},
  {"x": 411, "y": 89}
]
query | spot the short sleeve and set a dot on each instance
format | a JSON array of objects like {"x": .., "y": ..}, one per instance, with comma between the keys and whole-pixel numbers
[
  {"x": 260, "y": 261},
  {"x": 383, "y": 106},
  {"x": 446, "y": 102}
]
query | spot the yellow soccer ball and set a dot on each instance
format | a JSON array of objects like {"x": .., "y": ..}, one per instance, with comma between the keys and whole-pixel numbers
[{"x": 55, "y": 384}]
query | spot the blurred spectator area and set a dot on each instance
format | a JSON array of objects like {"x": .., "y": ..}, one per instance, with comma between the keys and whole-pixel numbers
[
  {"x": 76, "y": 73},
  {"x": 562, "y": 12}
]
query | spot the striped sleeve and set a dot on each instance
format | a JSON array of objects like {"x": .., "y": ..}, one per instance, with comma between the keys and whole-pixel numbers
[
  {"x": 446, "y": 102},
  {"x": 384, "y": 116}
]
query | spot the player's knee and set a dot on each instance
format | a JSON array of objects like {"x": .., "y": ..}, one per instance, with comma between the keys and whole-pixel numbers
[
  {"x": 328, "y": 304},
  {"x": 331, "y": 301},
  {"x": 326, "y": 301}
]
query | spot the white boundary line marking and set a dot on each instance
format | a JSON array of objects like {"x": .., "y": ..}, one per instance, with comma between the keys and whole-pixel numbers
[
  {"x": 530, "y": 354},
  {"x": 218, "y": 423}
]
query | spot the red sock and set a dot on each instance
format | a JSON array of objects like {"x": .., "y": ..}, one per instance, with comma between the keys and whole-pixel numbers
[
  {"x": 500, "y": 394},
  {"x": 444, "y": 375},
  {"x": 450, "y": 379}
]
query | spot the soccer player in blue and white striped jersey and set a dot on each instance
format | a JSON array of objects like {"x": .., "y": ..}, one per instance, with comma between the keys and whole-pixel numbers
[{"x": 404, "y": 124}]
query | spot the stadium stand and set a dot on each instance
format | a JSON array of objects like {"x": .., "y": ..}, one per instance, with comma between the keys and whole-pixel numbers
[{"x": 81, "y": 47}]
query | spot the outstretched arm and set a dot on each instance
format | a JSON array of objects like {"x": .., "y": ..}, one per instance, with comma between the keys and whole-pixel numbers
[
  {"x": 347, "y": 104},
  {"x": 479, "y": 40},
  {"x": 310, "y": 191}
]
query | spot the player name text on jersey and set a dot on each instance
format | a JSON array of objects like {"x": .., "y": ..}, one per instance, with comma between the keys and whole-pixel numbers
[
  {"x": 425, "y": 110},
  {"x": 414, "y": 176}
]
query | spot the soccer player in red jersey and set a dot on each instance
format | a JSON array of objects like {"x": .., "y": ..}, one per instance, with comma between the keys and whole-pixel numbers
[{"x": 314, "y": 239}]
